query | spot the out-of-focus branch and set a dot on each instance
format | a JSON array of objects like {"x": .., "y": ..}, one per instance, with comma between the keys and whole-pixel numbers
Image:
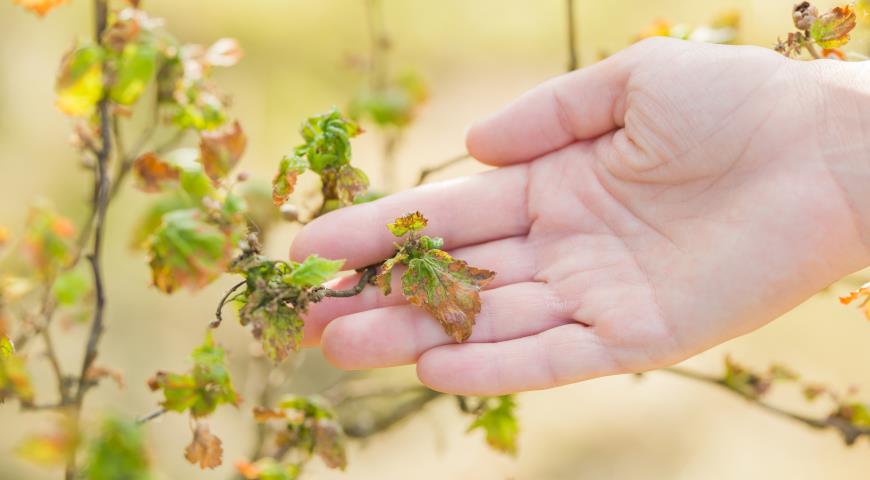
[
  {"x": 426, "y": 172},
  {"x": 573, "y": 54}
]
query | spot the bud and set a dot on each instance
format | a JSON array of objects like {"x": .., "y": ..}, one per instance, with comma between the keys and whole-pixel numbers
[
  {"x": 804, "y": 15},
  {"x": 242, "y": 176},
  {"x": 289, "y": 212}
]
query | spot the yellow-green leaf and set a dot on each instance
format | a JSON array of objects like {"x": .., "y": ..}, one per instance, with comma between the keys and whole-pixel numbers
[
  {"x": 135, "y": 68},
  {"x": 500, "y": 424},
  {"x": 79, "y": 83},
  {"x": 412, "y": 222},
  {"x": 831, "y": 30}
]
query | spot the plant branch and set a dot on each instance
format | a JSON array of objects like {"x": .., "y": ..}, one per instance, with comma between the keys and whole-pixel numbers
[
  {"x": 573, "y": 54},
  {"x": 365, "y": 279},
  {"x": 219, "y": 317},
  {"x": 151, "y": 416},
  {"x": 426, "y": 172}
]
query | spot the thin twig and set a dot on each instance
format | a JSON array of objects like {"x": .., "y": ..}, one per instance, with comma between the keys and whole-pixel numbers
[
  {"x": 219, "y": 311},
  {"x": 151, "y": 416},
  {"x": 426, "y": 172},
  {"x": 573, "y": 54},
  {"x": 365, "y": 279}
]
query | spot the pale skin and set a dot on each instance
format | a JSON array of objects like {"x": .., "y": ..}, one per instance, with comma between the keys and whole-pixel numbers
[{"x": 643, "y": 210}]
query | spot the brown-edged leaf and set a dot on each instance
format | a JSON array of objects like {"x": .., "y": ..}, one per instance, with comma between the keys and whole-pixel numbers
[
  {"x": 221, "y": 149},
  {"x": 205, "y": 448},
  {"x": 285, "y": 180},
  {"x": 831, "y": 30},
  {"x": 447, "y": 288},
  {"x": 351, "y": 183},
  {"x": 412, "y": 222}
]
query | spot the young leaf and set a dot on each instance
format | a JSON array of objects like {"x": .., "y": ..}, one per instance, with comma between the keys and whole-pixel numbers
[
  {"x": 221, "y": 149},
  {"x": 154, "y": 174},
  {"x": 313, "y": 271},
  {"x": 448, "y": 289},
  {"x": 188, "y": 252},
  {"x": 39, "y": 7},
  {"x": 831, "y": 30},
  {"x": 205, "y": 449},
  {"x": 118, "y": 452},
  {"x": 135, "y": 68},
  {"x": 79, "y": 83},
  {"x": 201, "y": 391},
  {"x": 71, "y": 287},
  {"x": 285, "y": 180},
  {"x": 500, "y": 424},
  {"x": 412, "y": 222}
]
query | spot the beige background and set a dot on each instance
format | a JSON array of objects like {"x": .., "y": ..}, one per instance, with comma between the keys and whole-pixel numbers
[{"x": 476, "y": 55}]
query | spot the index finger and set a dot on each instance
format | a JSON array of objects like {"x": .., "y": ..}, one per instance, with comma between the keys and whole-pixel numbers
[{"x": 466, "y": 211}]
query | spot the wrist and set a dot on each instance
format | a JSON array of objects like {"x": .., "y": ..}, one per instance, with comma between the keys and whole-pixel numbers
[{"x": 842, "y": 118}]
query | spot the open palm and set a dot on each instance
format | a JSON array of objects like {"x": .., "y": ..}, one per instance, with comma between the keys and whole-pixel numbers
[{"x": 644, "y": 209}]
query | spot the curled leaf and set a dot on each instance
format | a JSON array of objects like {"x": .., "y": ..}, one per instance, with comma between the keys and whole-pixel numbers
[
  {"x": 447, "y": 288},
  {"x": 221, "y": 149},
  {"x": 831, "y": 30},
  {"x": 79, "y": 83},
  {"x": 285, "y": 180},
  {"x": 205, "y": 448},
  {"x": 412, "y": 222}
]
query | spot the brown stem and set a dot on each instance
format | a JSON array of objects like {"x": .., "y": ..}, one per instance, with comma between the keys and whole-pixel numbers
[
  {"x": 573, "y": 54},
  {"x": 151, "y": 416},
  {"x": 219, "y": 311},
  {"x": 100, "y": 205},
  {"x": 426, "y": 172},
  {"x": 365, "y": 279}
]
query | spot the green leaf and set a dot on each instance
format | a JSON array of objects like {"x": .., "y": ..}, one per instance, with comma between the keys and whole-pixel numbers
[
  {"x": 351, "y": 183},
  {"x": 7, "y": 349},
  {"x": 327, "y": 140},
  {"x": 447, "y": 288},
  {"x": 832, "y": 29},
  {"x": 314, "y": 271},
  {"x": 152, "y": 218},
  {"x": 186, "y": 251},
  {"x": 412, "y": 222},
  {"x": 118, "y": 452},
  {"x": 135, "y": 68},
  {"x": 500, "y": 424},
  {"x": 71, "y": 286},
  {"x": 285, "y": 180},
  {"x": 79, "y": 83},
  {"x": 204, "y": 388}
]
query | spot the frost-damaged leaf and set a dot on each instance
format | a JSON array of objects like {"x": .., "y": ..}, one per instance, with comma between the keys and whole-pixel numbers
[
  {"x": 135, "y": 68},
  {"x": 188, "y": 252},
  {"x": 205, "y": 448},
  {"x": 201, "y": 391},
  {"x": 448, "y": 289},
  {"x": 412, "y": 222},
  {"x": 862, "y": 297},
  {"x": 313, "y": 271},
  {"x": 79, "y": 83},
  {"x": 500, "y": 424},
  {"x": 351, "y": 183},
  {"x": 40, "y": 7},
  {"x": 48, "y": 240},
  {"x": 225, "y": 52},
  {"x": 831, "y": 30},
  {"x": 384, "y": 278},
  {"x": 285, "y": 180},
  {"x": 153, "y": 173},
  {"x": 278, "y": 327},
  {"x": 221, "y": 149},
  {"x": 267, "y": 469},
  {"x": 14, "y": 379},
  {"x": 118, "y": 452}
]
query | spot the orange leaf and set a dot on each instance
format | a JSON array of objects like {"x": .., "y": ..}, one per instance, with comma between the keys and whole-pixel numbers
[
  {"x": 153, "y": 172},
  {"x": 205, "y": 448},
  {"x": 221, "y": 149},
  {"x": 39, "y": 7}
]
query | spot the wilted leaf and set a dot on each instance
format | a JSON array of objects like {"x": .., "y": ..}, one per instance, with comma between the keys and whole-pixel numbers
[
  {"x": 225, "y": 52},
  {"x": 80, "y": 80},
  {"x": 188, "y": 252},
  {"x": 831, "y": 30},
  {"x": 448, "y": 289},
  {"x": 118, "y": 452},
  {"x": 351, "y": 183},
  {"x": 384, "y": 279},
  {"x": 221, "y": 149},
  {"x": 412, "y": 222},
  {"x": 153, "y": 174},
  {"x": 201, "y": 391},
  {"x": 500, "y": 424},
  {"x": 39, "y": 7},
  {"x": 96, "y": 373},
  {"x": 48, "y": 240},
  {"x": 205, "y": 449},
  {"x": 135, "y": 68},
  {"x": 285, "y": 180},
  {"x": 329, "y": 443},
  {"x": 313, "y": 271}
]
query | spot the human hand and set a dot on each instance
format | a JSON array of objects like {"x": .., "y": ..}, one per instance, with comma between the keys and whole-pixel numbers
[{"x": 646, "y": 208}]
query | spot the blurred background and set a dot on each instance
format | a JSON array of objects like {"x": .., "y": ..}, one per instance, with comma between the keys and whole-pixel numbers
[{"x": 475, "y": 56}]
